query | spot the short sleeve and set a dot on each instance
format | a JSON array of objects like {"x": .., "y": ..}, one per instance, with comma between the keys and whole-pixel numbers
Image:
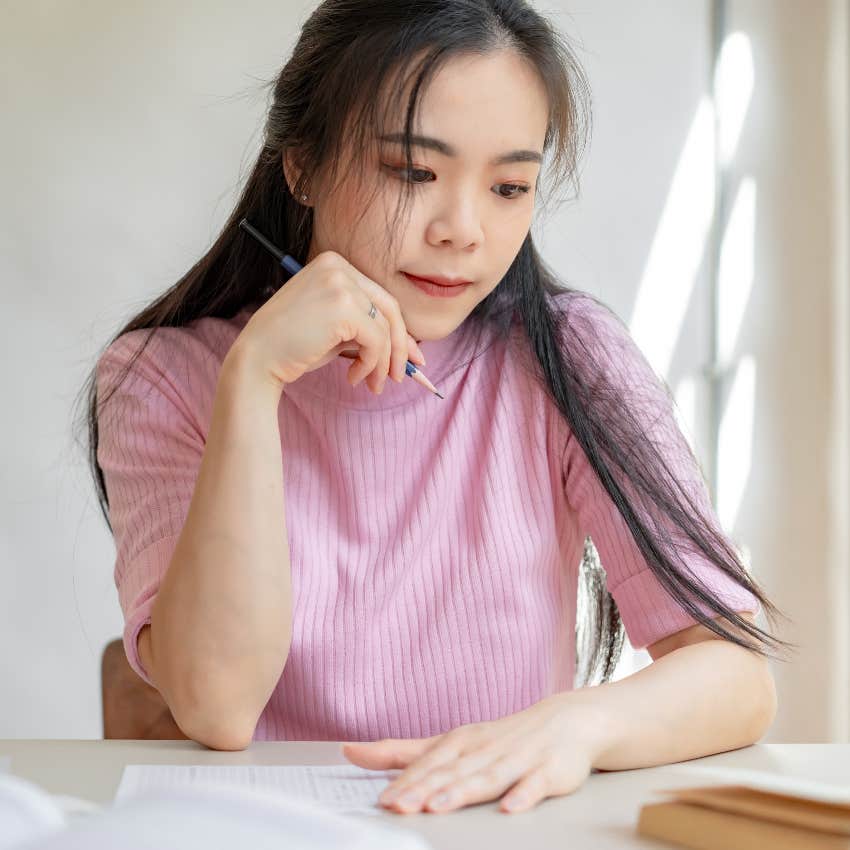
[
  {"x": 614, "y": 371},
  {"x": 150, "y": 446}
]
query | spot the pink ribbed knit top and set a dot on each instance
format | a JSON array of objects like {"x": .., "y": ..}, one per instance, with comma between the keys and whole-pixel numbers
[{"x": 434, "y": 544}]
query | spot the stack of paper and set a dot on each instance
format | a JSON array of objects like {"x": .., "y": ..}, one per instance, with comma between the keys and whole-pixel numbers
[{"x": 752, "y": 810}]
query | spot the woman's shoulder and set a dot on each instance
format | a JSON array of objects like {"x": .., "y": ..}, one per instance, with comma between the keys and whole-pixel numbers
[
  {"x": 585, "y": 327},
  {"x": 597, "y": 338},
  {"x": 176, "y": 366},
  {"x": 202, "y": 341},
  {"x": 583, "y": 311}
]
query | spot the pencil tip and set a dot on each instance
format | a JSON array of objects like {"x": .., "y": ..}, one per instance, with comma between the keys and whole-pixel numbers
[{"x": 441, "y": 396}]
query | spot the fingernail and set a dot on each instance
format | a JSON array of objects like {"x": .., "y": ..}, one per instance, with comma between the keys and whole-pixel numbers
[
  {"x": 514, "y": 802},
  {"x": 409, "y": 800},
  {"x": 421, "y": 355}
]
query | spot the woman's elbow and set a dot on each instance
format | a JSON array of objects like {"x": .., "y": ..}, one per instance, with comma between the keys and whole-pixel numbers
[
  {"x": 217, "y": 734},
  {"x": 212, "y": 720}
]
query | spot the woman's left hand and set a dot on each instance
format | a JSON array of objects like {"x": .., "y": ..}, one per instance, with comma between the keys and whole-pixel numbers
[{"x": 545, "y": 750}]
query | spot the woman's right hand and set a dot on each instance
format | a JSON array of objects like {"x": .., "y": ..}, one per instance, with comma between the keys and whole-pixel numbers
[{"x": 323, "y": 311}]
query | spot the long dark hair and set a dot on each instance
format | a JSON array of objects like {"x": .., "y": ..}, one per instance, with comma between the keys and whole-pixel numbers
[{"x": 322, "y": 100}]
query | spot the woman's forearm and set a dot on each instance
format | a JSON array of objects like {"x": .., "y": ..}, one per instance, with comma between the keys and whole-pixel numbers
[
  {"x": 700, "y": 699},
  {"x": 221, "y": 622}
]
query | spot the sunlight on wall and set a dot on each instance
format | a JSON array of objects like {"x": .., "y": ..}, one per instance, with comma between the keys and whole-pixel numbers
[
  {"x": 735, "y": 273},
  {"x": 678, "y": 246},
  {"x": 735, "y": 286},
  {"x": 735, "y": 443},
  {"x": 733, "y": 91},
  {"x": 734, "y": 83}
]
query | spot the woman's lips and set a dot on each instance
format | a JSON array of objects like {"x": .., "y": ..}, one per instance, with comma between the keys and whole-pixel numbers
[
  {"x": 435, "y": 289},
  {"x": 440, "y": 281}
]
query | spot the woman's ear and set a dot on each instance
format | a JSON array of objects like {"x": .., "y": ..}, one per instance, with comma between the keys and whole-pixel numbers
[{"x": 292, "y": 172}]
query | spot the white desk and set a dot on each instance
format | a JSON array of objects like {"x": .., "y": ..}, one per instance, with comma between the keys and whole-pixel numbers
[{"x": 601, "y": 815}]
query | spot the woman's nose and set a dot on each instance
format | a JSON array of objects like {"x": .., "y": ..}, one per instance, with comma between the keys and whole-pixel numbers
[{"x": 458, "y": 223}]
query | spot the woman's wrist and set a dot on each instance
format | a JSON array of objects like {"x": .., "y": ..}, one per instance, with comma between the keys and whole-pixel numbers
[
  {"x": 241, "y": 374},
  {"x": 582, "y": 711}
]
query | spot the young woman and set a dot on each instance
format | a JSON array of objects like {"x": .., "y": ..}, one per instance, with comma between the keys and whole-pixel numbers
[{"x": 306, "y": 550}]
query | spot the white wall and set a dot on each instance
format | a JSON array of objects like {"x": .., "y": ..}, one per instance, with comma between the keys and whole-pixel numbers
[
  {"x": 126, "y": 132},
  {"x": 794, "y": 514}
]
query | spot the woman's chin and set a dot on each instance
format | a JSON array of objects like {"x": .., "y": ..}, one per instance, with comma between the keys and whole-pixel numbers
[{"x": 430, "y": 331}]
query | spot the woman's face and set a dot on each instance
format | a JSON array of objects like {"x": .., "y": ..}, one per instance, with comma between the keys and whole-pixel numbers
[{"x": 468, "y": 214}]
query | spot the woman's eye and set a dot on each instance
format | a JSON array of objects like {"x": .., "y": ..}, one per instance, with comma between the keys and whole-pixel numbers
[
  {"x": 519, "y": 190},
  {"x": 401, "y": 171},
  {"x": 516, "y": 189}
]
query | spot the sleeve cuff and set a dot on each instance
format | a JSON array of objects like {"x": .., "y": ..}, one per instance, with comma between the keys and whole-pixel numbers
[
  {"x": 137, "y": 585},
  {"x": 131, "y": 635},
  {"x": 649, "y": 613}
]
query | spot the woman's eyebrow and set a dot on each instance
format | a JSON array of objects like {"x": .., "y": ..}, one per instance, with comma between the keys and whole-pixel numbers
[{"x": 447, "y": 150}]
